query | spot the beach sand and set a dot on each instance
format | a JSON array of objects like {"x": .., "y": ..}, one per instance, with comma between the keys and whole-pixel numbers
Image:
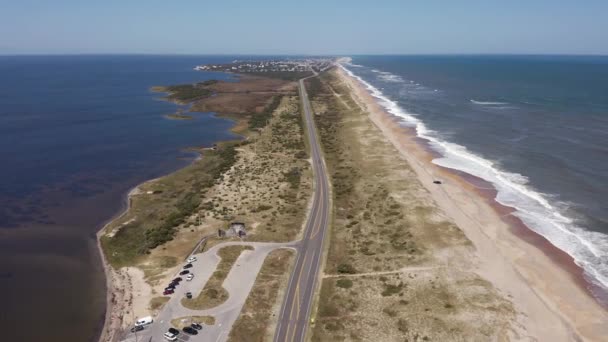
[{"x": 543, "y": 283}]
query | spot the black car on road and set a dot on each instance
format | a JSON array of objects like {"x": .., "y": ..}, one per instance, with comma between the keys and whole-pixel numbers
[{"x": 184, "y": 272}]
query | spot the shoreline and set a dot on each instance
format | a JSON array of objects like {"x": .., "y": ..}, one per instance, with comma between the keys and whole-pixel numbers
[
  {"x": 542, "y": 281},
  {"x": 488, "y": 192},
  {"x": 109, "y": 329}
]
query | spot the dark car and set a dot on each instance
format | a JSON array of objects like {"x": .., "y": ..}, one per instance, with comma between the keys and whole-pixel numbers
[
  {"x": 174, "y": 331},
  {"x": 137, "y": 328},
  {"x": 172, "y": 288},
  {"x": 187, "y": 266},
  {"x": 174, "y": 283},
  {"x": 188, "y": 295},
  {"x": 176, "y": 280},
  {"x": 196, "y": 326},
  {"x": 167, "y": 292},
  {"x": 184, "y": 272},
  {"x": 190, "y": 330}
]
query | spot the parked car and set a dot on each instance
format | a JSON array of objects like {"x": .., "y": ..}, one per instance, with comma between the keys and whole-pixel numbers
[
  {"x": 173, "y": 331},
  {"x": 188, "y": 295},
  {"x": 170, "y": 288},
  {"x": 196, "y": 326},
  {"x": 191, "y": 259},
  {"x": 170, "y": 337},
  {"x": 190, "y": 277},
  {"x": 137, "y": 328},
  {"x": 144, "y": 321},
  {"x": 187, "y": 266},
  {"x": 184, "y": 272},
  {"x": 190, "y": 331},
  {"x": 178, "y": 279},
  {"x": 168, "y": 292}
]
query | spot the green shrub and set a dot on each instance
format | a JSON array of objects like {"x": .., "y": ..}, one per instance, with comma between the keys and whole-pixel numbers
[
  {"x": 344, "y": 283},
  {"x": 346, "y": 269}
]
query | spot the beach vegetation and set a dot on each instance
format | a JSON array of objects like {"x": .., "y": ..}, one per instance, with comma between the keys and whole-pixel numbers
[
  {"x": 188, "y": 92},
  {"x": 261, "y": 119}
]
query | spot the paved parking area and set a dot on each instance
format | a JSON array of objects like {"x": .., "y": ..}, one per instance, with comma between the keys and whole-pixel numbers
[{"x": 238, "y": 283}]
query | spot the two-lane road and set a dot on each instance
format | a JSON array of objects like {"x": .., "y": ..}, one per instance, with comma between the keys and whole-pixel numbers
[{"x": 295, "y": 311}]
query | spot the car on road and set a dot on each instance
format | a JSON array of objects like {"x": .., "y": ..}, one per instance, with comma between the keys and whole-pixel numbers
[
  {"x": 176, "y": 280},
  {"x": 190, "y": 331},
  {"x": 191, "y": 259},
  {"x": 184, "y": 272},
  {"x": 190, "y": 277},
  {"x": 167, "y": 292},
  {"x": 189, "y": 295},
  {"x": 196, "y": 326},
  {"x": 137, "y": 328},
  {"x": 186, "y": 266}
]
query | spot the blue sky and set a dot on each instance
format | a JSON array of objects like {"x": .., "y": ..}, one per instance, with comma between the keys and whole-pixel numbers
[{"x": 303, "y": 27}]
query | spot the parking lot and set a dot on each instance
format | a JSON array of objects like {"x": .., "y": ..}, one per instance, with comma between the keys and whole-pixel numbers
[{"x": 238, "y": 284}]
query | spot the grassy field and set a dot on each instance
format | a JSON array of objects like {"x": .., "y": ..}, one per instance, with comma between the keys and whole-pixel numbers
[
  {"x": 258, "y": 315},
  {"x": 393, "y": 270},
  {"x": 214, "y": 294}
]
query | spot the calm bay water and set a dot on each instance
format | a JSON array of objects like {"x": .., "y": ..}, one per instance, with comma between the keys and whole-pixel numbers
[
  {"x": 536, "y": 127},
  {"x": 76, "y": 133}
]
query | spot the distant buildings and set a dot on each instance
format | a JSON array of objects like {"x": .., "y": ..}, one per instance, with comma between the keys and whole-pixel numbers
[{"x": 287, "y": 65}]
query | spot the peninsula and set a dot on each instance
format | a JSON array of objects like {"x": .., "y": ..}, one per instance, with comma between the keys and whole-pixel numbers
[{"x": 326, "y": 221}]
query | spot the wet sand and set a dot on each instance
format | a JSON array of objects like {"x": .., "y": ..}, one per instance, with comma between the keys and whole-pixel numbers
[{"x": 547, "y": 288}]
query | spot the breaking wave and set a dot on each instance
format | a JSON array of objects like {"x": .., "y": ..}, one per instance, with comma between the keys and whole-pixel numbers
[
  {"x": 488, "y": 103},
  {"x": 542, "y": 213}
]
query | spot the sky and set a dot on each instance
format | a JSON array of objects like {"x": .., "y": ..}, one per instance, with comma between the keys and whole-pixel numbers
[{"x": 314, "y": 27}]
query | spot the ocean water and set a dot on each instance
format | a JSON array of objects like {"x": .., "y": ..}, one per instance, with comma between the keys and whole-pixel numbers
[
  {"x": 536, "y": 127},
  {"x": 76, "y": 133}
]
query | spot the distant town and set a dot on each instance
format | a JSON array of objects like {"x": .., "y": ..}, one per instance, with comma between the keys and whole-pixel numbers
[{"x": 282, "y": 65}]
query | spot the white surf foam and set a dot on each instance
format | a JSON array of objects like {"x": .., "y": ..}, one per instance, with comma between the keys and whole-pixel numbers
[
  {"x": 540, "y": 212},
  {"x": 488, "y": 103},
  {"x": 388, "y": 77}
]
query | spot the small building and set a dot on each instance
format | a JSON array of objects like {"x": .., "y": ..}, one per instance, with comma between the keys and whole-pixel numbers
[{"x": 237, "y": 229}]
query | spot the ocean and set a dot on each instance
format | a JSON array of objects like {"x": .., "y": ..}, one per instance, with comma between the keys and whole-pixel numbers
[
  {"x": 535, "y": 127},
  {"x": 76, "y": 133}
]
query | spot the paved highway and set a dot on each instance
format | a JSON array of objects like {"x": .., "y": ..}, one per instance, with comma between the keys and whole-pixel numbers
[{"x": 295, "y": 310}]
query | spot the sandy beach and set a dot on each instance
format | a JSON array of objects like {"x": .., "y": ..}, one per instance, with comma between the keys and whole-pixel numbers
[{"x": 543, "y": 283}]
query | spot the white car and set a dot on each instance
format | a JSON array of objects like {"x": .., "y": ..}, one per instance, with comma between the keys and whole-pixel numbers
[
  {"x": 191, "y": 259},
  {"x": 190, "y": 277},
  {"x": 144, "y": 321},
  {"x": 171, "y": 335}
]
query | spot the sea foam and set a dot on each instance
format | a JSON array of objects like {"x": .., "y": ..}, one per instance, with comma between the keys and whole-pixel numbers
[
  {"x": 540, "y": 212},
  {"x": 488, "y": 103}
]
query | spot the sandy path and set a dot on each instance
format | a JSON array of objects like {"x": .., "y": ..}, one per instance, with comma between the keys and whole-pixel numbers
[{"x": 551, "y": 305}]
